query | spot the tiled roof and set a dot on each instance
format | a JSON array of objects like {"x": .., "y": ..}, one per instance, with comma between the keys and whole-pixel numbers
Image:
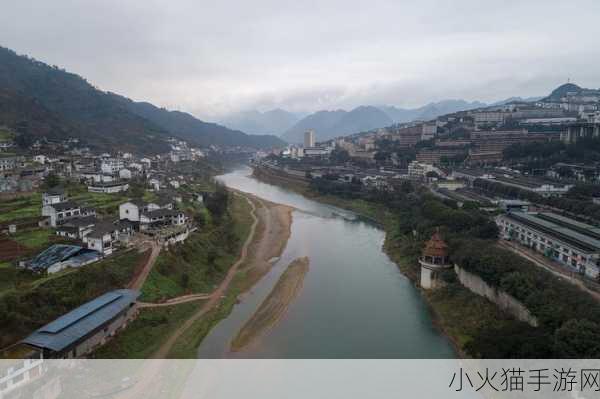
[
  {"x": 62, "y": 206},
  {"x": 436, "y": 246}
]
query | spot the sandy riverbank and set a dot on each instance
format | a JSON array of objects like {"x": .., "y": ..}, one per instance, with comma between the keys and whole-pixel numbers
[
  {"x": 272, "y": 233},
  {"x": 274, "y": 306}
]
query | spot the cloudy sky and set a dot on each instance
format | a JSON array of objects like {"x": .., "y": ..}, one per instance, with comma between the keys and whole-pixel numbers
[{"x": 211, "y": 58}]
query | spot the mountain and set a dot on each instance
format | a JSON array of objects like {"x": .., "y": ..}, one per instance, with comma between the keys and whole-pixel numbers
[
  {"x": 41, "y": 100},
  {"x": 320, "y": 121},
  {"x": 429, "y": 111},
  {"x": 330, "y": 124},
  {"x": 194, "y": 130},
  {"x": 562, "y": 90},
  {"x": 274, "y": 122},
  {"x": 516, "y": 100}
]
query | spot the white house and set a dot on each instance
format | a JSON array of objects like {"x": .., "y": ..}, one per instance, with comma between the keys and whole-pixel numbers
[
  {"x": 61, "y": 212},
  {"x": 53, "y": 196},
  {"x": 108, "y": 187},
  {"x": 132, "y": 210},
  {"x": 125, "y": 174},
  {"x": 146, "y": 162},
  {"x": 40, "y": 159},
  {"x": 154, "y": 183},
  {"x": 137, "y": 166},
  {"x": 111, "y": 165},
  {"x": 103, "y": 238}
]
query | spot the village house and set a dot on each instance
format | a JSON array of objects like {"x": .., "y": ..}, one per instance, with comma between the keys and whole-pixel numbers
[
  {"x": 76, "y": 228},
  {"x": 53, "y": 196},
  {"x": 154, "y": 183},
  {"x": 103, "y": 238},
  {"x": 61, "y": 211},
  {"x": 111, "y": 166},
  {"x": 142, "y": 213},
  {"x": 125, "y": 174},
  {"x": 108, "y": 187}
]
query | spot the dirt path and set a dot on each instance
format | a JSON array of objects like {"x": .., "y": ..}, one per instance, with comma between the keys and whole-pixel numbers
[
  {"x": 140, "y": 279},
  {"x": 216, "y": 295},
  {"x": 275, "y": 305},
  {"x": 271, "y": 228},
  {"x": 174, "y": 301}
]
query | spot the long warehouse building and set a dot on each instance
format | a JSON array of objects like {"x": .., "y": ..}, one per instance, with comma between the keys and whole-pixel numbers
[{"x": 572, "y": 243}]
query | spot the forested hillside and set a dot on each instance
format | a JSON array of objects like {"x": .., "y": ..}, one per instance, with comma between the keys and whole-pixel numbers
[{"x": 39, "y": 100}]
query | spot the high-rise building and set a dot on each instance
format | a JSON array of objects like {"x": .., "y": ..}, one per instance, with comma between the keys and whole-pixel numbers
[{"x": 309, "y": 138}]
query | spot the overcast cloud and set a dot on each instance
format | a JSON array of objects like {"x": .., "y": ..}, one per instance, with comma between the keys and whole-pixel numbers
[{"x": 215, "y": 57}]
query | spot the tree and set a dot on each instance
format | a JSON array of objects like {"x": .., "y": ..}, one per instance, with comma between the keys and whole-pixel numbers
[
  {"x": 52, "y": 180},
  {"x": 339, "y": 156},
  {"x": 382, "y": 156},
  {"x": 577, "y": 339},
  {"x": 217, "y": 202}
]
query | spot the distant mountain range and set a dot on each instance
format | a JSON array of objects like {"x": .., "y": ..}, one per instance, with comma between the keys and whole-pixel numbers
[
  {"x": 39, "y": 100},
  {"x": 273, "y": 122},
  {"x": 330, "y": 124}
]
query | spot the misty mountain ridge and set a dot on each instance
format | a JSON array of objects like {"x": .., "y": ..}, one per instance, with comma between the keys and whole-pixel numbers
[
  {"x": 275, "y": 121},
  {"x": 38, "y": 100},
  {"x": 330, "y": 124}
]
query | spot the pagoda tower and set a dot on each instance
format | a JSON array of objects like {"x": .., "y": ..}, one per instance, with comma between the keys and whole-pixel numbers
[{"x": 433, "y": 260}]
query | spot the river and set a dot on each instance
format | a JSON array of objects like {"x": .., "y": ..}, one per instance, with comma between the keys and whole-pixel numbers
[{"x": 355, "y": 302}]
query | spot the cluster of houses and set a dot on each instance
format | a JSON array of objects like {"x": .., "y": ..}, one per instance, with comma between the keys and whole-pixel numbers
[
  {"x": 99, "y": 238},
  {"x": 102, "y": 173}
]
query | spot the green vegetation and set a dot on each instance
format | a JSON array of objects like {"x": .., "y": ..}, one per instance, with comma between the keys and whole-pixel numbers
[
  {"x": 464, "y": 315},
  {"x": 12, "y": 278},
  {"x": 6, "y": 134},
  {"x": 147, "y": 332},
  {"x": 187, "y": 344},
  {"x": 31, "y": 304},
  {"x": 544, "y": 155},
  {"x": 22, "y": 207},
  {"x": 554, "y": 302},
  {"x": 34, "y": 238},
  {"x": 105, "y": 204},
  {"x": 39, "y": 100},
  {"x": 203, "y": 259}
]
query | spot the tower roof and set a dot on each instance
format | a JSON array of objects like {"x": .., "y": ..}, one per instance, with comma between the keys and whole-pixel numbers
[{"x": 436, "y": 246}]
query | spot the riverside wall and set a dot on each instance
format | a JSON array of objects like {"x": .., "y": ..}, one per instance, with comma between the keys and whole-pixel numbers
[{"x": 502, "y": 299}]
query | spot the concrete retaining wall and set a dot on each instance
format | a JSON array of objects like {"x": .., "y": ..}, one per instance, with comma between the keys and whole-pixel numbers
[{"x": 503, "y": 300}]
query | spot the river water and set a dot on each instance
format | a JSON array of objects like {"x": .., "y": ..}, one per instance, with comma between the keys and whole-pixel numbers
[{"x": 355, "y": 303}]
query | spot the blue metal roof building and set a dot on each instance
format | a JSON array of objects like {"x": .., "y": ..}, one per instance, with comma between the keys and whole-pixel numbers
[{"x": 64, "y": 334}]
